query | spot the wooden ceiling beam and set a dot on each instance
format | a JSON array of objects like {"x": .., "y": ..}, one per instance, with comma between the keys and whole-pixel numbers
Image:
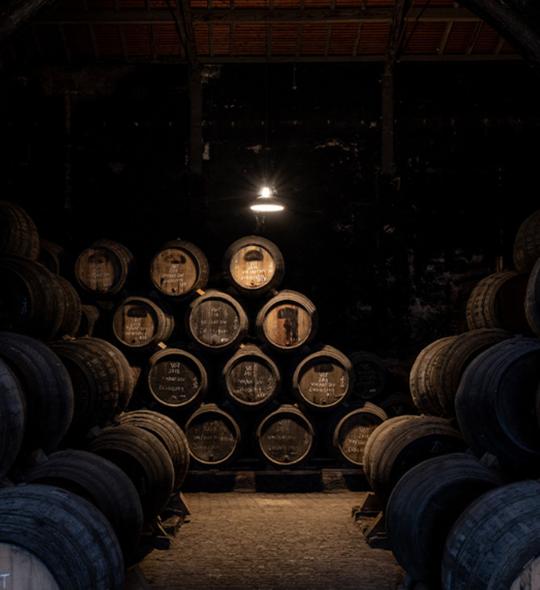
[
  {"x": 254, "y": 15},
  {"x": 16, "y": 12}
]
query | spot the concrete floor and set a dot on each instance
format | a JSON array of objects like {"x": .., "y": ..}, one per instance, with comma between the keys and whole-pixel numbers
[{"x": 256, "y": 541}]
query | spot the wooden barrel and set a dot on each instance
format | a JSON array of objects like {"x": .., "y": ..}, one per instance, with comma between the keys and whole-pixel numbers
[
  {"x": 47, "y": 387},
  {"x": 169, "y": 433},
  {"x": 23, "y": 570},
  {"x": 18, "y": 233},
  {"x": 496, "y": 541},
  {"x": 32, "y": 299},
  {"x": 66, "y": 533},
  {"x": 139, "y": 323},
  {"x": 400, "y": 443},
  {"x": 251, "y": 378},
  {"x": 254, "y": 265},
  {"x": 12, "y": 418},
  {"x": 527, "y": 243},
  {"x": 425, "y": 504},
  {"x": 213, "y": 435},
  {"x": 51, "y": 255},
  {"x": 370, "y": 375},
  {"x": 96, "y": 382},
  {"x": 422, "y": 376},
  {"x": 287, "y": 321},
  {"x": 100, "y": 482},
  {"x": 89, "y": 317},
  {"x": 178, "y": 269},
  {"x": 144, "y": 458},
  {"x": 72, "y": 309},
  {"x": 285, "y": 436},
  {"x": 354, "y": 429},
  {"x": 532, "y": 299},
  {"x": 457, "y": 356},
  {"x": 495, "y": 404},
  {"x": 323, "y": 379},
  {"x": 498, "y": 301},
  {"x": 103, "y": 268},
  {"x": 176, "y": 378},
  {"x": 216, "y": 321}
]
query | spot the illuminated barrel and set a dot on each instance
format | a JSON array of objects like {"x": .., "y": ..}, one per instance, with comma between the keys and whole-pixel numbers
[
  {"x": 287, "y": 321},
  {"x": 178, "y": 269},
  {"x": 254, "y": 265}
]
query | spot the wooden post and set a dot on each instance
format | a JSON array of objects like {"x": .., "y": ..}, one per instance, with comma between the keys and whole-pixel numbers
[
  {"x": 195, "y": 123},
  {"x": 388, "y": 166},
  {"x": 68, "y": 109}
]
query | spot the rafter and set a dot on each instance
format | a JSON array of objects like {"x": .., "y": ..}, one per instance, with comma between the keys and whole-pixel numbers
[{"x": 15, "y": 12}]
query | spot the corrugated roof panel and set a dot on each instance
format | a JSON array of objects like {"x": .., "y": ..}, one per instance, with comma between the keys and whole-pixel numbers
[
  {"x": 166, "y": 40},
  {"x": 202, "y": 40},
  {"x": 373, "y": 38},
  {"x": 249, "y": 39},
  {"x": 79, "y": 41},
  {"x": 317, "y": 3},
  {"x": 487, "y": 41},
  {"x": 284, "y": 38},
  {"x": 460, "y": 38},
  {"x": 108, "y": 40},
  {"x": 250, "y": 4},
  {"x": 314, "y": 39},
  {"x": 138, "y": 40},
  {"x": 220, "y": 37},
  {"x": 423, "y": 38},
  {"x": 508, "y": 49},
  {"x": 130, "y": 4},
  {"x": 287, "y": 3},
  {"x": 343, "y": 39},
  {"x": 95, "y": 5}
]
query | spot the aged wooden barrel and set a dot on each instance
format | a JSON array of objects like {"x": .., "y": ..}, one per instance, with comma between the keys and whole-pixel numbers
[
  {"x": 51, "y": 255},
  {"x": 144, "y": 458},
  {"x": 250, "y": 377},
  {"x": 400, "y": 443},
  {"x": 32, "y": 300},
  {"x": 47, "y": 388},
  {"x": 323, "y": 379},
  {"x": 425, "y": 504},
  {"x": 496, "y": 541},
  {"x": 287, "y": 321},
  {"x": 89, "y": 317},
  {"x": 176, "y": 378},
  {"x": 22, "y": 570},
  {"x": 498, "y": 301},
  {"x": 422, "y": 376},
  {"x": 12, "y": 418},
  {"x": 72, "y": 309},
  {"x": 495, "y": 404},
  {"x": 213, "y": 435},
  {"x": 18, "y": 233},
  {"x": 285, "y": 436},
  {"x": 370, "y": 375},
  {"x": 97, "y": 383},
  {"x": 254, "y": 265},
  {"x": 169, "y": 433},
  {"x": 66, "y": 533},
  {"x": 354, "y": 429},
  {"x": 532, "y": 299},
  {"x": 139, "y": 323},
  {"x": 100, "y": 482},
  {"x": 460, "y": 352},
  {"x": 527, "y": 243},
  {"x": 178, "y": 269},
  {"x": 216, "y": 321},
  {"x": 103, "y": 268}
]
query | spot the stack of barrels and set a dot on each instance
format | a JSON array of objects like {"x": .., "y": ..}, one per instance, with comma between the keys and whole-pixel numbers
[{"x": 456, "y": 482}]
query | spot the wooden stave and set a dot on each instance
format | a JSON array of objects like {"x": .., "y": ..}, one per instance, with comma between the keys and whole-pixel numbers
[
  {"x": 274, "y": 252},
  {"x": 209, "y": 409},
  {"x": 158, "y": 356},
  {"x": 51, "y": 255},
  {"x": 527, "y": 243},
  {"x": 201, "y": 263},
  {"x": 13, "y": 418},
  {"x": 24, "y": 241},
  {"x": 72, "y": 311}
]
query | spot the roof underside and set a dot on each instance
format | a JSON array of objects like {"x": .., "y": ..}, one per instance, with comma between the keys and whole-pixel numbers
[{"x": 89, "y": 31}]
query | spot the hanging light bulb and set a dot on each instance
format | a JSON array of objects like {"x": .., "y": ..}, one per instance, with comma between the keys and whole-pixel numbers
[{"x": 267, "y": 202}]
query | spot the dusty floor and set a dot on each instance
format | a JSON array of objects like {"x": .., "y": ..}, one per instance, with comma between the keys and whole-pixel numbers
[{"x": 256, "y": 541}]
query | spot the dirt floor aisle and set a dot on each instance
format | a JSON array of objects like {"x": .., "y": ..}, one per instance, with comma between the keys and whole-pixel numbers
[{"x": 255, "y": 541}]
